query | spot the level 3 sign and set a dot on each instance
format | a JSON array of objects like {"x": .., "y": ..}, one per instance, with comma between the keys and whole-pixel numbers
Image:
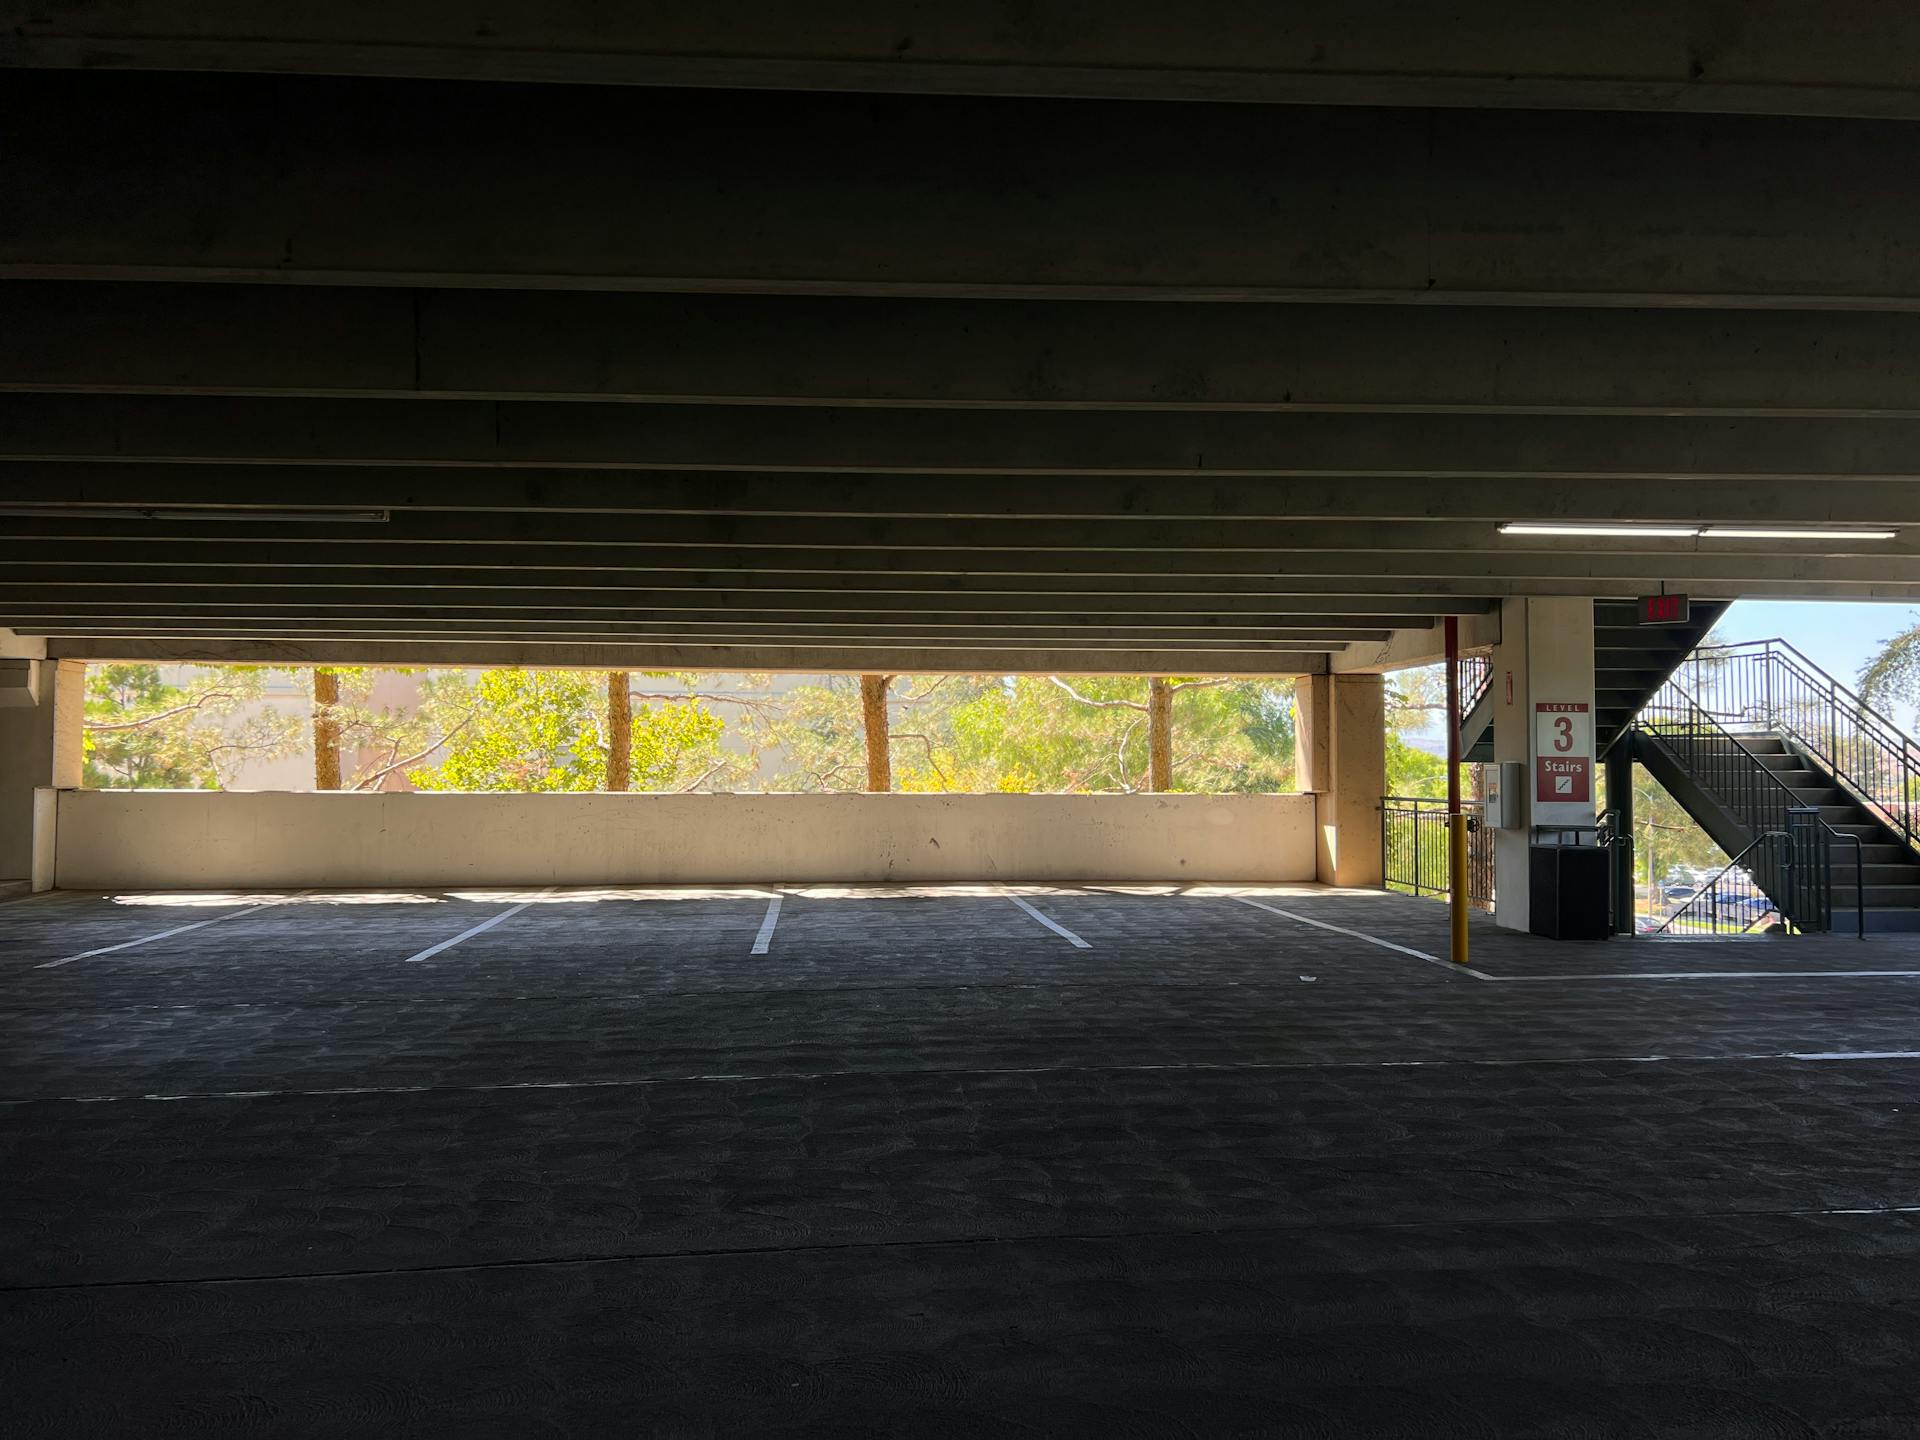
[{"x": 1562, "y": 751}]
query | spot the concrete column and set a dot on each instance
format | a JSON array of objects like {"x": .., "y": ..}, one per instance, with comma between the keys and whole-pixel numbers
[
  {"x": 1545, "y": 657},
  {"x": 1620, "y": 801},
  {"x": 1341, "y": 759},
  {"x": 42, "y": 735}
]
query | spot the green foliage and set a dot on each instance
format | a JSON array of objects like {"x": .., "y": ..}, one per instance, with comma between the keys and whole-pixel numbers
[
  {"x": 386, "y": 738},
  {"x": 1413, "y": 771},
  {"x": 1664, "y": 835},
  {"x": 146, "y": 733},
  {"x": 540, "y": 731},
  {"x": 1039, "y": 733},
  {"x": 1893, "y": 675}
]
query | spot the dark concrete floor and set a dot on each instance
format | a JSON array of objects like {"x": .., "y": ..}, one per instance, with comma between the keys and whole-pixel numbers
[{"x": 925, "y": 1168}]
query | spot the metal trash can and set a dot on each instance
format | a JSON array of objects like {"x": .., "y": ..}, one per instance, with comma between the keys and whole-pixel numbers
[{"x": 1569, "y": 892}]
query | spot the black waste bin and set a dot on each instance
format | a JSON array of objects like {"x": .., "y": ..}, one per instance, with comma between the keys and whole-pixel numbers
[{"x": 1569, "y": 892}]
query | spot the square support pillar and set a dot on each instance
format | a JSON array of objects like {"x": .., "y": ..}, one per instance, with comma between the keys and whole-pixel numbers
[
  {"x": 1545, "y": 657},
  {"x": 1341, "y": 755},
  {"x": 42, "y": 751}
]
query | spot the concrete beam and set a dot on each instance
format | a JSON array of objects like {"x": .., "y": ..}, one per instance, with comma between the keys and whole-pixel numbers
[
  {"x": 326, "y": 601},
  {"x": 1627, "y": 573},
  {"x": 180, "y": 488},
  {"x": 769, "y": 441},
  {"x": 544, "y": 632},
  {"x": 777, "y": 659},
  {"x": 1264, "y": 549},
  {"x": 1426, "y": 645},
  {"x": 1687, "y": 55},
  {"x": 547, "y": 627},
  {"x": 1043, "y": 589},
  {"x": 352, "y": 181},
  {"x": 545, "y": 345},
  {"x": 15, "y": 646}
]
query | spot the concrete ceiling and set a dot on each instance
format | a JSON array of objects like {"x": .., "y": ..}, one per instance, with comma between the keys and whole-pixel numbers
[{"x": 373, "y": 355}]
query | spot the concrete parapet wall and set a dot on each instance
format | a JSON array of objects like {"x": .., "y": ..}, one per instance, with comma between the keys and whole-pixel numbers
[{"x": 202, "y": 840}]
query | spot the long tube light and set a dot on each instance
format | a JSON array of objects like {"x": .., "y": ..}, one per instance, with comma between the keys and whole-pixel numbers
[
  {"x": 1689, "y": 532},
  {"x": 1749, "y": 532},
  {"x": 1669, "y": 532}
]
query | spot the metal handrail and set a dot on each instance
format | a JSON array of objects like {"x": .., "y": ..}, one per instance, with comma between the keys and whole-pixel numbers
[
  {"x": 1476, "y": 678},
  {"x": 1812, "y": 885},
  {"x": 1414, "y": 842},
  {"x": 1743, "y": 865},
  {"x": 1772, "y": 684},
  {"x": 1760, "y": 800},
  {"x": 1859, "y": 881}
]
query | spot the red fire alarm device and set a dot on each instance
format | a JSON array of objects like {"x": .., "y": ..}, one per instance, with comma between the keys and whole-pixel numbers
[{"x": 1664, "y": 609}]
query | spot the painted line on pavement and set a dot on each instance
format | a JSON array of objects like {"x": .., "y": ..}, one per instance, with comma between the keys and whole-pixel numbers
[
  {"x": 1362, "y": 935},
  {"x": 507, "y": 914},
  {"x": 1060, "y": 930},
  {"x": 164, "y": 934},
  {"x": 764, "y": 940},
  {"x": 1668, "y": 975}
]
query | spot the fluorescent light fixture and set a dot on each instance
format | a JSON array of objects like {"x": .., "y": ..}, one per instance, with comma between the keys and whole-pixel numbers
[
  {"x": 1704, "y": 532},
  {"x": 1754, "y": 532},
  {"x": 319, "y": 514},
  {"x": 1666, "y": 532}
]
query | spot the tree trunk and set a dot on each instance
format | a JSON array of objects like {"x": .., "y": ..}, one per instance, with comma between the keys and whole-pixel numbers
[
  {"x": 326, "y": 730},
  {"x": 873, "y": 717},
  {"x": 619, "y": 729},
  {"x": 1159, "y": 734}
]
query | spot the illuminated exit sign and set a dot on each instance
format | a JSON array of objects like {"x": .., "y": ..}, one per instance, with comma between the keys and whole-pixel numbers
[{"x": 1663, "y": 609}]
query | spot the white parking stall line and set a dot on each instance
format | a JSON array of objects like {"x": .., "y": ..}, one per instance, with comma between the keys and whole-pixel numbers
[
  {"x": 1058, "y": 929},
  {"x": 164, "y": 934},
  {"x": 1362, "y": 935},
  {"x": 1567, "y": 979},
  {"x": 484, "y": 925},
  {"x": 764, "y": 940}
]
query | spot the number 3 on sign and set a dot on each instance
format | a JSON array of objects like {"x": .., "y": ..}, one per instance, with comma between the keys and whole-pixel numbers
[{"x": 1562, "y": 733}]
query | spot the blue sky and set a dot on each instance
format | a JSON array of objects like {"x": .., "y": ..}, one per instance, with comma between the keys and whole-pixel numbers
[{"x": 1838, "y": 636}]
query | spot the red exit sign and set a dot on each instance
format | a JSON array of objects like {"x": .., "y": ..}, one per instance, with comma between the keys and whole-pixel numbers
[{"x": 1663, "y": 609}]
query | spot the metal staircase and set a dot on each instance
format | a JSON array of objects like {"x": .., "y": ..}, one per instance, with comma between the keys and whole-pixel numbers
[
  {"x": 1630, "y": 662},
  {"x": 1755, "y": 740}
]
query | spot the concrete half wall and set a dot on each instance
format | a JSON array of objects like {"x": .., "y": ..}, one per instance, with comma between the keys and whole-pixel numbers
[{"x": 202, "y": 840}]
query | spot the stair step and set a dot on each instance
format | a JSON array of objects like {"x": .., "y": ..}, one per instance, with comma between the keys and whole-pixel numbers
[
  {"x": 1878, "y": 922},
  {"x": 1879, "y": 897},
  {"x": 1872, "y": 854},
  {"x": 1873, "y": 874},
  {"x": 1844, "y": 818}
]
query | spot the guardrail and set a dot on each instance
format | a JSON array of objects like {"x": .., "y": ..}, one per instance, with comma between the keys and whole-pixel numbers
[
  {"x": 1784, "y": 878},
  {"x": 1413, "y": 848},
  {"x": 1769, "y": 684}
]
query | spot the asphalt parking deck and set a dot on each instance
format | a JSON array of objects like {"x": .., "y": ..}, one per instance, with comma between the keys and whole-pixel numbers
[{"x": 926, "y": 1166}]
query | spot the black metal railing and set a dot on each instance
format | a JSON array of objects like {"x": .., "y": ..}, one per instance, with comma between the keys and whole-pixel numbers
[
  {"x": 1734, "y": 901},
  {"x": 1769, "y": 685},
  {"x": 1414, "y": 848},
  {"x": 1784, "y": 878},
  {"x": 1719, "y": 759},
  {"x": 1476, "y": 674},
  {"x": 1613, "y": 835}
]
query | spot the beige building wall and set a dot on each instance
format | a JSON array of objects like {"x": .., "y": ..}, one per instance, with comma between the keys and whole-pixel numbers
[{"x": 184, "y": 839}]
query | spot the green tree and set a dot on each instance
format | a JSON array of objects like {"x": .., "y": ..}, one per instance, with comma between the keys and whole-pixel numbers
[
  {"x": 538, "y": 731},
  {"x": 355, "y": 744},
  {"x": 1892, "y": 676},
  {"x": 143, "y": 732},
  {"x": 1042, "y": 733}
]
